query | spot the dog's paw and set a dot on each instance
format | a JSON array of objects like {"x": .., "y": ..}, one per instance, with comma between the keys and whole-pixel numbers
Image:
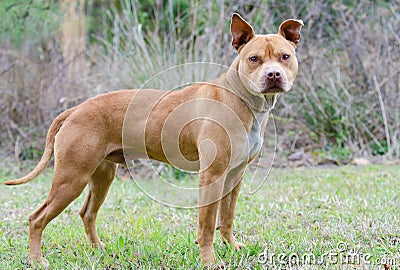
[
  {"x": 238, "y": 246},
  {"x": 207, "y": 255},
  {"x": 229, "y": 239},
  {"x": 99, "y": 244},
  {"x": 38, "y": 262},
  {"x": 214, "y": 267}
]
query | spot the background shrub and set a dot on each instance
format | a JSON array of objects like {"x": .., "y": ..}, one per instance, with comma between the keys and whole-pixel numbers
[{"x": 345, "y": 100}]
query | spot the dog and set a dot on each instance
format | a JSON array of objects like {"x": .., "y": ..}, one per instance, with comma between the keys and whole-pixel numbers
[{"x": 221, "y": 133}]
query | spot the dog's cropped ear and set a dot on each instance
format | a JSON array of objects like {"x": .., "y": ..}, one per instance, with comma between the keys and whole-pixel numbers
[
  {"x": 241, "y": 31},
  {"x": 290, "y": 29}
]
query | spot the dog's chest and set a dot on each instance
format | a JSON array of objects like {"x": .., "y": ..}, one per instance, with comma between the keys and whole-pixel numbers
[{"x": 255, "y": 139}]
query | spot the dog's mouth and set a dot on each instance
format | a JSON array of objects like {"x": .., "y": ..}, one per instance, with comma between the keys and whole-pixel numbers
[
  {"x": 272, "y": 90},
  {"x": 275, "y": 87}
]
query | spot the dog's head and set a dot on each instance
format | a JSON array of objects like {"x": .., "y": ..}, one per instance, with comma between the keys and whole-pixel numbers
[{"x": 267, "y": 63}]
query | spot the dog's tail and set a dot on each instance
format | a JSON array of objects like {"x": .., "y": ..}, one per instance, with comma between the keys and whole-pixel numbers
[{"x": 48, "y": 150}]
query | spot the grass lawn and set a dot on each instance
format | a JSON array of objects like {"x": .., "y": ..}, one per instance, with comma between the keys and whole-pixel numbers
[{"x": 320, "y": 218}]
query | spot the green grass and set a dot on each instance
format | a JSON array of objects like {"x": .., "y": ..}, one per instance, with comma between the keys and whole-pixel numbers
[{"x": 316, "y": 212}]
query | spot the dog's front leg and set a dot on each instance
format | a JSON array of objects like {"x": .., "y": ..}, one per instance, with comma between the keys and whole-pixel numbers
[
  {"x": 207, "y": 217},
  {"x": 211, "y": 188},
  {"x": 227, "y": 206}
]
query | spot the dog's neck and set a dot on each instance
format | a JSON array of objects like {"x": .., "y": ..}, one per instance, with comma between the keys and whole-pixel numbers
[{"x": 257, "y": 103}]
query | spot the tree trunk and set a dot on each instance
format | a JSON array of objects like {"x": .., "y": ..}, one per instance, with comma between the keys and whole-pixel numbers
[{"x": 73, "y": 38}]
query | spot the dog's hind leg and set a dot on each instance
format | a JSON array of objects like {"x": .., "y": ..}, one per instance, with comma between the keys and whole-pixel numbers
[
  {"x": 98, "y": 187},
  {"x": 67, "y": 186}
]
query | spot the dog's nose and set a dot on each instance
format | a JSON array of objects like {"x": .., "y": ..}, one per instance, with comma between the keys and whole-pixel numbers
[{"x": 274, "y": 75}]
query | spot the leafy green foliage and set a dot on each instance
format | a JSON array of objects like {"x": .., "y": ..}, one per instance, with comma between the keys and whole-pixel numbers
[
  {"x": 31, "y": 154},
  {"x": 174, "y": 173},
  {"x": 346, "y": 59},
  {"x": 379, "y": 148},
  {"x": 30, "y": 21}
]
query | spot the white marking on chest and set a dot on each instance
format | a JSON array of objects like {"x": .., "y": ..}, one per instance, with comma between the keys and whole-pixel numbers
[{"x": 254, "y": 138}]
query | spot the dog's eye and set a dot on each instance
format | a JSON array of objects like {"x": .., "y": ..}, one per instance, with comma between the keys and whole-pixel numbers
[
  {"x": 285, "y": 57},
  {"x": 253, "y": 59}
]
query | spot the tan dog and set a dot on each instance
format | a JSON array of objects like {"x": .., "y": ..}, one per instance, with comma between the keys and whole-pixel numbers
[{"x": 219, "y": 130}]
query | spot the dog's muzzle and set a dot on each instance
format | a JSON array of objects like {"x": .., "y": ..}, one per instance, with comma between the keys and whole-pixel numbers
[{"x": 274, "y": 81}]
